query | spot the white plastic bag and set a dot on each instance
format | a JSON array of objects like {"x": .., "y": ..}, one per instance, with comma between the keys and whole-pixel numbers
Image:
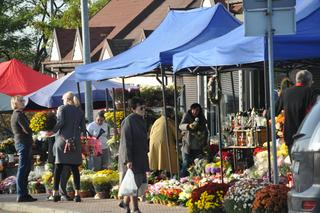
[{"x": 128, "y": 185}]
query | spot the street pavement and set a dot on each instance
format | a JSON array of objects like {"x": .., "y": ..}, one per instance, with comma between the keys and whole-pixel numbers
[{"x": 88, "y": 205}]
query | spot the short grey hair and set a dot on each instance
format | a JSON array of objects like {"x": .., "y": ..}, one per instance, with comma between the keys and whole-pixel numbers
[{"x": 304, "y": 77}]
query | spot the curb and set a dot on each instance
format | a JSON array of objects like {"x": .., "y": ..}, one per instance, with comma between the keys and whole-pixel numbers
[{"x": 26, "y": 208}]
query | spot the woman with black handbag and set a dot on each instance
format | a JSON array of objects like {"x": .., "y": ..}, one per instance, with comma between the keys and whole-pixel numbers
[{"x": 67, "y": 147}]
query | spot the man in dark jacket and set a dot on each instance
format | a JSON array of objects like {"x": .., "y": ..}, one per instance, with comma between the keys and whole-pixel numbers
[
  {"x": 133, "y": 150},
  {"x": 296, "y": 102}
]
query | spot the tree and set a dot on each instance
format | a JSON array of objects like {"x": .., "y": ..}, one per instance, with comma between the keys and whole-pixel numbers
[
  {"x": 26, "y": 26},
  {"x": 15, "y": 42}
]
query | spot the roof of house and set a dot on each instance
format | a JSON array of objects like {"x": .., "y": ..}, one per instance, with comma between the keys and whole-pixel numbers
[
  {"x": 65, "y": 39},
  {"x": 122, "y": 14},
  {"x": 119, "y": 45},
  {"x": 123, "y": 21},
  {"x": 156, "y": 16}
]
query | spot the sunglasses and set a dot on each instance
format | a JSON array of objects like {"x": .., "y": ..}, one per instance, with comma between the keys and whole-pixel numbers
[{"x": 142, "y": 107}]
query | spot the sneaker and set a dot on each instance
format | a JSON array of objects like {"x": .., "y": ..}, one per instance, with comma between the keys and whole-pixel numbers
[
  {"x": 136, "y": 211},
  {"x": 49, "y": 198}
]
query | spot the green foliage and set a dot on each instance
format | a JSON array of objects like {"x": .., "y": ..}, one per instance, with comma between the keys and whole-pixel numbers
[
  {"x": 153, "y": 95},
  {"x": 14, "y": 41}
]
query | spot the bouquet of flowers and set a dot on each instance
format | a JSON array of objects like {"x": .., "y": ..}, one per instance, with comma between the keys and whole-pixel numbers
[
  {"x": 90, "y": 146},
  {"x": 198, "y": 168},
  {"x": 155, "y": 176},
  {"x": 110, "y": 118},
  {"x": 43, "y": 121},
  {"x": 241, "y": 195},
  {"x": 271, "y": 199},
  {"x": 185, "y": 195},
  {"x": 279, "y": 125},
  {"x": 47, "y": 179},
  {"x": 260, "y": 167},
  {"x": 8, "y": 185},
  {"x": 7, "y": 146},
  {"x": 214, "y": 168},
  {"x": 208, "y": 198}
]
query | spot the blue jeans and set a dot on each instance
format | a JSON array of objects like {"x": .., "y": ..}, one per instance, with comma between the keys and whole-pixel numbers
[
  {"x": 24, "y": 168},
  {"x": 188, "y": 160}
]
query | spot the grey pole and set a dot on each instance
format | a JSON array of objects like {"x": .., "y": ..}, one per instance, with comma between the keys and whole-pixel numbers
[
  {"x": 124, "y": 98},
  {"x": 266, "y": 105},
  {"x": 271, "y": 93},
  {"x": 86, "y": 59},
  {"x": 176, "y": 119}
]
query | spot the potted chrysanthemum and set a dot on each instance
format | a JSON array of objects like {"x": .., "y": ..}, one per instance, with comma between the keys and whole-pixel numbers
[
  {"x": 240, "y": 196},
  {"x": 208, "y": 198},
  {"x": 271, "y": 199}
]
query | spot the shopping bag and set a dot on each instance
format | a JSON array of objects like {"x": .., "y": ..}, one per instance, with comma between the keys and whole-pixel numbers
[{"x": 128, "y": 185}]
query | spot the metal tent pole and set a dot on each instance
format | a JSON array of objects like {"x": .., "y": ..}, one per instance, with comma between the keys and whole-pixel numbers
[
  {"x": 176, "y": 119},
  {"x": 165, "y": 115},
  {"x": 124, "y": 98}
]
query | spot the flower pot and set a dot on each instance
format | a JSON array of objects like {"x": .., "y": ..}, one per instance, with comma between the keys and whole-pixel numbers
[
  {"x": 84, "y": 194},
  {"x": 100, "y": 195},
  {"x": 70, "y": 194}
]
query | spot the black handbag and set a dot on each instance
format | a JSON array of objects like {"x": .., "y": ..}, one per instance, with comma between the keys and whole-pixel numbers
[{"x": 69, "y": 145}]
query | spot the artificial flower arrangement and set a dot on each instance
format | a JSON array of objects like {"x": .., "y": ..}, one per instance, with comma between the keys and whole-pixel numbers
[
  {"x": 155, "y": 176},
  {"x": 8, "y": 185},
  {"x": 109, "y": 116},
  {"x": 36, "y": 187},
  {"x": 7, "y": 146},
  {"x": 260, "y": 167},
  {"x": 113, "y": 142},
  {"x": 241, "y": 195},
  {"x": 43, "y": 121},
  {"x": 215, "y": 167},
  {"x": 197, "y": 169},
  {"x": 208, "y": 198},
  {"x": 47, "y": 180},
  {"x": 114, "y": 192},
  {"x": 165, "y": 192},
  {"x": 185, "y": 195},
  {"x": 271, "y": 199}
]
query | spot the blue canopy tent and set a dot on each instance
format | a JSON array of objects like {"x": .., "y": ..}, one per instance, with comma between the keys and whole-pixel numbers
[
  {"x": 234, "y": 48},
  {"x": 50, "y": 96},
  {"x": 177, "y": 29}
]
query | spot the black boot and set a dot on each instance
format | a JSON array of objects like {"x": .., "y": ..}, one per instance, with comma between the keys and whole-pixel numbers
[
  {"x": 77, "y": 198},
  {"x": 56, "y": 198}
]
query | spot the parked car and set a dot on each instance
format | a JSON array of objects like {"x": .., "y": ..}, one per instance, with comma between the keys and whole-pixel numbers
[{"x": 305, "y": 194}]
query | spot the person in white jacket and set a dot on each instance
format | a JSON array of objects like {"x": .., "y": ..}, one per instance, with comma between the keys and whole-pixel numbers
[{"x": 101, "y": 130}]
